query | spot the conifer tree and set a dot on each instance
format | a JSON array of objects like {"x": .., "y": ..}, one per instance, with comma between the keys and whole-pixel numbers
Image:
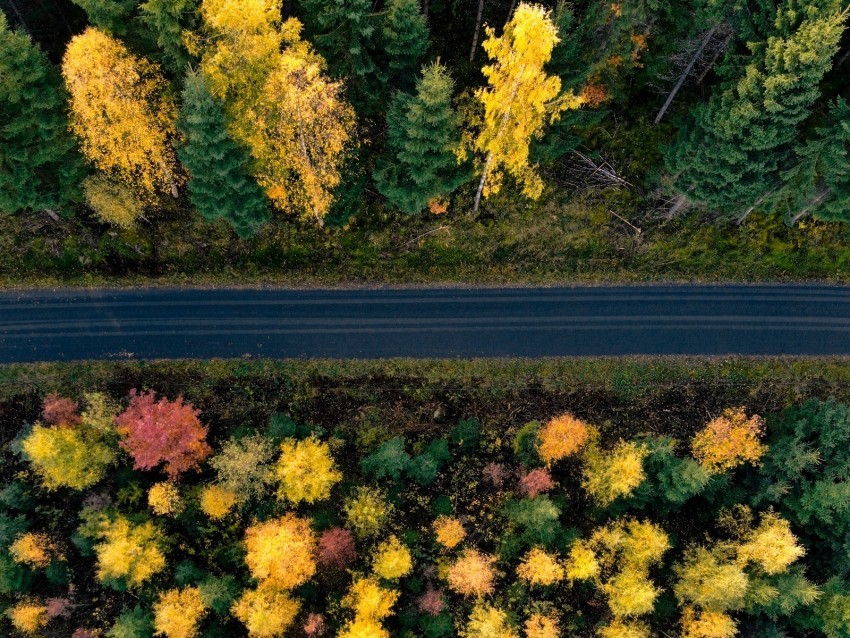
[
  {"x": 405, "y": 35},
  {"x": 424, "y": 132},
  {"x": 727, "y": 157},
  {"x": 167, "y": 20},
  {"x": 39, "y": 167},
  {"x": 113, "y": 16},
  {"x": 219, "y": 185}
]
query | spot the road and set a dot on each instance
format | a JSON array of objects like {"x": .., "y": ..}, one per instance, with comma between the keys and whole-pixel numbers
[{"x": 638, "y": 320}]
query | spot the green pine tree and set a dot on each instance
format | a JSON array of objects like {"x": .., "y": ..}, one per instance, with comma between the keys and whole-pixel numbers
[
  {"x": 423, "y": 132},
  {"x": 114, "y": 16},
  {"x": 405, "y": 35},
  {"x": 167, "y": 19},
  {"x": 39, "y": 165},
  {"x": 728, "y": 155},
  {"x": 219, "y": 186}
]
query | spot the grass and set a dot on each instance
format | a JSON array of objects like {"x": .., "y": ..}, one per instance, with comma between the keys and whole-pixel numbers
[{"x": 557, "y": 240}]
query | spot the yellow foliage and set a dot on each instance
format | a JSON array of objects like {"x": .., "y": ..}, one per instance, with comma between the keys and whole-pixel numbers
[
  {"x": 581, "y": 562},
  {"x": 643, "y": 544},
  {"x": 449, "y": 531},
  {"x": 472, "y": 574},
  {"x": 707, "y": 624},
  {"x": 33, "y": 549},
  {"x": 620, "y": 628},
  {"x": 363, "y": 628},
  {"x": 710, "y": 580},
  {"x": 367, "y": 511},
  {"x": 392, "y": 560},
  {"x": 67, "y": 456},
  {"x": 266, "y": 612},
  {"x": 216, "y": 501},
  {"x": 306, "y": 471},
  {"x": 542, "y": 626},
  {"x": 772, "y": 545},
  {"x": 729, "y": 440},
  {"x": 164, "y": 498},
  {"x": 28, "y": 617},
  {"x": 538, "y": 567},
  {"x": 630, "y": 593},
  {"x": 609, "y": 475},
  {"x": 178, "y": 612},
  {"x": 369, "y": 600},
  {"x": 561, "y": 437},
  {"x": 519, "y": 97},
  {"x": 121, "y": 112},
  {"x": 112, "y": 201},
  {"x": 280, "y": 551},
  {"x": 487, "y": 621},
  {"x": 132, "y": 552}
]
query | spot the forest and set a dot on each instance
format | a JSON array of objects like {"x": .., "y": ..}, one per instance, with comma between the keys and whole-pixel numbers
[
  {"x": 711, "y": 505},
  {"x": 338, "y": 113}
]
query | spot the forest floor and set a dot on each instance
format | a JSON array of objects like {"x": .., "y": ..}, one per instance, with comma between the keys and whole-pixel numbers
[{"x": 592, "y": 238}]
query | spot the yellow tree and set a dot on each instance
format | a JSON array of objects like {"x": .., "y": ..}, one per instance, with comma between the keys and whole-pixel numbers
[
  {"x": 121, "y": 112},
  {"x": 520, "y": 96}
]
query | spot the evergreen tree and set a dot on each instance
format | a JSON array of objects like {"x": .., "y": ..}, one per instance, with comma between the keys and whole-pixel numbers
[
  {"x": 113, "y": 16},
  {"x": 424, "y": 132},
  {"x": 727, "y": 157},
  {"x": 405, "y": 34},
  {"x": 219, "y": 184},
  {"x": 39, "y": 167},
  {"x": 167, "y": 20}
]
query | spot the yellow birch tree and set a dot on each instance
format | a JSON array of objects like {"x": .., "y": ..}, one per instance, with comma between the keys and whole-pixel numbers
[{"x": 519, "y": 98}]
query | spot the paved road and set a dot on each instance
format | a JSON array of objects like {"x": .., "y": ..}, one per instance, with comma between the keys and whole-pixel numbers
[{"x": 173, "y": 323}]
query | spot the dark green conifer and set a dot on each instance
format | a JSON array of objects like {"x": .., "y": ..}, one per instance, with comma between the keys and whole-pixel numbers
[
  {"x": 219, "y": 185},
  {"x": 39, "y": 166},
  {"x": 405, "y": 35},
  {"x": 167, "y": 20}
]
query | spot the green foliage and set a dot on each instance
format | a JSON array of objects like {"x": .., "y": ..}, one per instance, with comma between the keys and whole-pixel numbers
[
  {"x": 465, "y": 435},
  {"x": 167, "y": 20},
  {"x": 39, "y": 165},
  {"x": 535, "y": 520},
  {"x": 13, "y": 578},
  {"x": 424, "y": 131},
  {"x": 219, "y": 184},
  {"x": 405, "y": 39},
  {"x": 833, "y": 609},
  {"x": 113, "y": 16},
  {"x": 218, "y": 594},
  {"x": 670, "y": 478},
  {"x": 132, "y": 623},
  {"x": 439, "y": 626},
  {"x": 526, "y": 443},
  {"x": 388, "y": 461}
]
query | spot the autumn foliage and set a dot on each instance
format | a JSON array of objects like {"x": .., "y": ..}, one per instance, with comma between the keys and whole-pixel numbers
[
  {"x": 729, "y": 440},
  {"x": 281, "y": 551},
  {"x": 561, "y": 437}
]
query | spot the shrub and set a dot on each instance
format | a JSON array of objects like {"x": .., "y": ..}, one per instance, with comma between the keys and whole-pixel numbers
[
  {"x": 424, "y": 467},
  {"x": 367, "y": 511},
  {"x": 266, "y": 612},
  {"x": 392, "y": 560},
  {"x": 162, "y": 432},
  {"x": 729, "y": 440},
  {"x": 542, "y": 626},
  {"x": 610, "y": 475},
  {"x": 465, "y": 435},
  {"x": 449, "y": 531},
  {"x": 561, "y": 437},
  {"x": 472, "y": 574},
  {"x": 526, "y": 444},
  {"x": 535, "y": 482},
  {"x": 432, "y": 602},
  {"x": 487, "y": 621},
  {"x": 243, "y": 466},
  {"x": 388, "y": 461},
  {"x": 336, "y": 548},
  {"x": 164, "y": 498},
  {"x": 28, "y": 617},
  {"x": 538, "y": 567},
  {"x": 216, "y": 501},
  {"x": 306, "y": 471},
  {"x": 129, "y": 552},
  {"x": 177, "y": 613},
  {"x": 33, "y": 549},
  {"x": 280, "y": 551},
  {"x": 314, "y": 625}
]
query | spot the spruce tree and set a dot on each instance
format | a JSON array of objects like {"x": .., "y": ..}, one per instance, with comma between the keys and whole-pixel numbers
[
  {"x": 405, "y": 35},
  {"x": 728, "y": 155},
  {"x": 424, "y": 131},
  {"x": 113, "y": 16},
  {"x": 39, "y": 166},
  {"x": 219, "y": 184},
  {"x": 167, "y": 20}
]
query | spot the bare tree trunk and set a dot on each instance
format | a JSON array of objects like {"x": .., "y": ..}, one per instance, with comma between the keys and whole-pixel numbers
[
  {"x": 20, "y": 16},
  {"x": 425, "y": 8},
  {"x": 685, "y": 74},
  {"x": 681, "y": 200},
  {"x": 481, "y": 183},
  {"x": 511, "y": 11},
  {"x": 477, "y": 29},
  {"x": 717, "y": 53},
  {"x": 740, "y": 220}
]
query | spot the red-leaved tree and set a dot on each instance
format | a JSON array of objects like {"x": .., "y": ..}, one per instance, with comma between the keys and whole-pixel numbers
[
  {"x": 336, "y": 548},
  {"x": 163, "y": 431}
]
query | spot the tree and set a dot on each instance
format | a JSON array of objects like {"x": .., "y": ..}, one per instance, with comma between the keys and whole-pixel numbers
[
  {"x": 35, "y": 549},
  {"x": 128, "y": 553},
  {"x": 518, "y": 99},
  {"x": 367, "y": 511},
  {"x": 388, "y": 461},
  {"x": 266, "y": 612},
  {"x": 421, "y": 168},
  {"x": 336, "y": 548},
  {"x": 121, "y": 113},
  {"x": 541, "y": 625},
  {"x": 368, "y": 600},
  {"x": 39, "y": 165},
  {"x": 164, "y": 498},
  {"x": 162, "y": 432},
  {"x": 392, "y": 560},
  {"x": 729, "y": 440},
  {"x": 707, "y": 624},
  {"x": 306, "y": 471},
  {"x": 486, "y": 621},
  {"x": 710, "y": 580},
  {"x": 538, "y": 567},
  {"x": 219, "y": 183},
  {"x": 112, "y": 201},
  {"x": 168, "y": 20},
  {"x": 561, "y": 437},
  {"x": 405, "y": 38},
  {"x": 243, "y": 466},
  {"x": 449, "y": 531},
  {"x": 178, "y": 612},
  {"x": 280, "y": 551},
  {"x": 772, "y": 545},
  {"x": 132, "y": 623},
  {"x": 609, "y": 475},
  {"x": 216, "y": 501},
  {"x": 28, "y": 616},
  {"x": 472, "y": 574},
  {"x": 112, "y": 16},
  {"x": 727, "y": 155}
]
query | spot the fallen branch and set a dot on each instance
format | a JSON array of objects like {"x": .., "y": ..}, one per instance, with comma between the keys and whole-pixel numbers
[{"x": 430, "y": 232}]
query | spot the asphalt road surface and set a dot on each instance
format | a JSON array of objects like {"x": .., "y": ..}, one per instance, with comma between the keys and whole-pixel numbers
[{"x": 639, "y": 320}]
